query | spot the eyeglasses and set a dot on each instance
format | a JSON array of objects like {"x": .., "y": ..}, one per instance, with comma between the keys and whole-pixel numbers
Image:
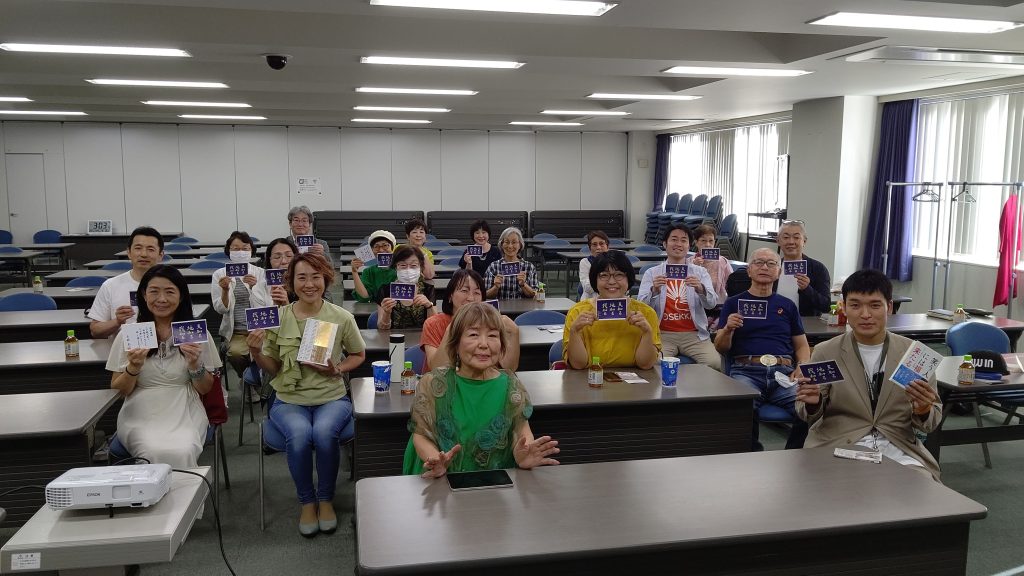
[
  {"x": 769, "y": 264},
  {"x": 617, "y": 276}
]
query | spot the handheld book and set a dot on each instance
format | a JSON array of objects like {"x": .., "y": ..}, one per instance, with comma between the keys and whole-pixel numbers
[
  {"x": 189, "y": 332},
  {"x": 263, "y": 317},
  {"x": 793, "y": 267},
  {"x": 710, "y": 253},
  {"x": 754, "y": 309},
  {"x": 304, "y": 242},
  {"x": 364, "y": 253},
  {"x": 317, "y": 342},
  {"x": 236, "y": 269},
  {"x": 139, "y": 335},
  {"x": 275, "y": 277},
  {"x": 676, "y": 271},
  {"x": 403, "y": 292},
  {"x": 475, "y": 250},
  {"x": 919, "y": 363},
  {"x": 611, "y": 308}
]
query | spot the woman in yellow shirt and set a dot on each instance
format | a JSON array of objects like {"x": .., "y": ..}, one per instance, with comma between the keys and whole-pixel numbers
[{"x": 634, "y": 341}]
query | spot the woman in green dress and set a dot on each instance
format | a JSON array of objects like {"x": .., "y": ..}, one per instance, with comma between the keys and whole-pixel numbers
[{"x": 473, "y": 415}]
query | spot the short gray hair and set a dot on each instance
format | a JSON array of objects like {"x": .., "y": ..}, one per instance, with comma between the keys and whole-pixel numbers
[
  {"x": 794, "y": 224},
  {"x": 296, "y": 210},
  {"x": 511, "y": 231},
  {"x": 772, "y": 253}
]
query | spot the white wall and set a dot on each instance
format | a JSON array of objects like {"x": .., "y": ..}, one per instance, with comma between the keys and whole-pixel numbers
[
  {"x": 207, "y": 180},
  {"x": 640, "y": 154},
  {"x": 969, "y": 284}
]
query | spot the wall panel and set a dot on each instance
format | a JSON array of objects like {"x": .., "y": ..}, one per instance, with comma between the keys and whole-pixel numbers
[
  {"x": 415, "y": 169},
  {"x": 603, "y": 171},
  {"x": 152, "y": 176},
  {"x": 464, "y": 170},
  {"x": 47, "y": 138},
  {"x": 261, "y": 180},
  {"x": 95, "y": 175},
  {"x": 365, "y": 169},
  {"x": 207, "y": 181},
  {"x": 512, "y": 181},
  {"x": 315, "y": 153},
  {"x": 559, "y": 158}
]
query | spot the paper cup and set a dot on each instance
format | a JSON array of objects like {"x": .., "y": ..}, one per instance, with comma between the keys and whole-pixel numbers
[
  {"x": 381, "y": 376},
  {"x": 669, "y": 371}
]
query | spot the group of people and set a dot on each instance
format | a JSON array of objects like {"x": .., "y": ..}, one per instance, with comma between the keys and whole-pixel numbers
[{"x": 470, "y": 411}]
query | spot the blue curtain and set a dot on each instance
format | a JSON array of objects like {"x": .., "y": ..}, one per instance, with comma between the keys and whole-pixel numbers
[
  {"x": 661, "y": 169},
  {"x": 895, "y": 164}
]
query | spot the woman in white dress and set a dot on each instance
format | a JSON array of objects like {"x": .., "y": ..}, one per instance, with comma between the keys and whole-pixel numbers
[{"x": 163, "y": 419}]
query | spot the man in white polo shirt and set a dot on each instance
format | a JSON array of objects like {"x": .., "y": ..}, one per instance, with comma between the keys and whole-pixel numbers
[{"x": 112, "y": 306}]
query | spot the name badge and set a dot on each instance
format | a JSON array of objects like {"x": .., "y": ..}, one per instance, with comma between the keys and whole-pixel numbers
[
  {"x": 404, "y": 292},
  {"x": 475, "y": 250},
  {"x": 611, "y": 309},
  {"x": 710, "y": 253},
  {"x": 384, "y": 259},
  {"x": 275, "y": 277},
  {"x": 756, "y": 309},
  {"x": 792, "y": 267},
  {"x": 236, "y": 270},
  {"x": 825, "y": 372},
  {"x": 264, "y": 317},
  {"x": 676, "y": 271},
  {"x": 189, "y": 332},
  {"x": 510, "y": 268}
]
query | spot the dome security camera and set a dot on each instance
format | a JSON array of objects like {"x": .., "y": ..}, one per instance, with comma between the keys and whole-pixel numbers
[{"x": 277, "y": 61}]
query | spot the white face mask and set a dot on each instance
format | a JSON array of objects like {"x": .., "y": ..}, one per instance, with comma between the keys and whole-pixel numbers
[
  {"x": 409, "y": 275},
  {"x": 240, "y": 255}
]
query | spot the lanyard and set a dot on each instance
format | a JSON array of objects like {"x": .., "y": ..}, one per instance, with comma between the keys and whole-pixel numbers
[{"x": 875, "y": 381}]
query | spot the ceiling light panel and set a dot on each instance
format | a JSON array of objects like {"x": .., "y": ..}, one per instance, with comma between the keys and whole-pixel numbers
[
  {"x": 14, "y": 99},
  {"x": 390, "y": 121},
  {"x": 424, "y": 91},
  {"x": 585, "y": 113},
  {"x": 926, "y": 23},
  {"x": 447, "y": 62},
  {"x": 610, "y": 96},
  {"x": 558, "y": 7},
  {"x": 110, "y": 50},
  {"x": 42, "y": 113},
  {"x": 399, "y": 109},
  {"x": 161, "y": 83},
  {"x": 196, "y": 104},
  {"x": 720, "y": 71},
  {"x": 546, "y": 123},
  {"x": 220, "y": 117}
]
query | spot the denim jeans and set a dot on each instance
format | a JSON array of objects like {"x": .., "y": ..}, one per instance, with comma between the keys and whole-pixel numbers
[
  {"x": 309, "y": 429},
  {"x": 762, "y": 379}
]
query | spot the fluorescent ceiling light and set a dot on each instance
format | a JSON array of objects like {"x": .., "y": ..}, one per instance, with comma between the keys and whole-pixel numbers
[
  {"x": 561, "y": 7},
  {"x": 163, "y": 83},
  {"x": 902, "y": 22},
  {"x": 585, "y": 113},
  {"x": 416, "y": 91},
  {"x": 719, "y": 71},
  {"x": 200, "y": 104},
  {"x": 546, "y": 123},
  {"x": 42, "y": 113},
  {"x": 607, "y": 96},
  {"x": 398, "y": 109},
  {"x": 402, "y": 61},
  {"x": 115, "y": 50},
  {"x": 220, "y": 117},
  {"x": 14, "y": 99},
  {"x": 390, "y": 121}
]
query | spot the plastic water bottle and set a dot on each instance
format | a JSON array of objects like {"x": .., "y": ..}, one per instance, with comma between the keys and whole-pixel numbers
[
  {"x": 595, "y": 373},
  {"x": 71, "y": 345},
  {"x": 408, "y": 379},
  {"x": 37, "y": 285},
  {"x": 396, "y": 352},
  {"x": 965, "y": 376}
]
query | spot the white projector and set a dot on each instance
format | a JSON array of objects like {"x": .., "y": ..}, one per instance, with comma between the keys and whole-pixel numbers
[{"x": 137, "y": 486}]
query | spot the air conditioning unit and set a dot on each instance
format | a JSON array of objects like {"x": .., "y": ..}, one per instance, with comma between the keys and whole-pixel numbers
[{"x": 941, "y": 57}]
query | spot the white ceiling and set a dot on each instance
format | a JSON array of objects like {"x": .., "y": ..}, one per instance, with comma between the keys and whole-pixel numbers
[{"x": 566, "y": 57}]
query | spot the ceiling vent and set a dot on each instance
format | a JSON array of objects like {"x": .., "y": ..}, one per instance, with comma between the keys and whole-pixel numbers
[{"x": 940, "y": 57}]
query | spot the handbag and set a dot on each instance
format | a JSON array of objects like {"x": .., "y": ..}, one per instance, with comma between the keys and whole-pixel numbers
[{"x": 213, "y": 402}]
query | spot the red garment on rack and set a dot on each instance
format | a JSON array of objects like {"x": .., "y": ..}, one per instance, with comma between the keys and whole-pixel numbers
[{"x": 1007, "y": 257}]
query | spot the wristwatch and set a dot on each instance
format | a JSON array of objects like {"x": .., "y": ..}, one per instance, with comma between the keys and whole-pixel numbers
[{"x": 194, "y": 375}]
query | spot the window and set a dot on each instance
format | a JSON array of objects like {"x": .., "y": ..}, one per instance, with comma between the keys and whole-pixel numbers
[
  {"x": 743, "y": 165},
  {"x": 972, "y": 139}
]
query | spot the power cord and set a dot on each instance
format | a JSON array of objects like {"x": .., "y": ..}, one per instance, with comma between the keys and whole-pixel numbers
[
  {"x": 19, "y": 489},
  {"x": 216, "y": 516}
]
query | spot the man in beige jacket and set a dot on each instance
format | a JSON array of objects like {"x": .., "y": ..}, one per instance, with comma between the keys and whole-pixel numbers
[{"x": 867, "y": 409}]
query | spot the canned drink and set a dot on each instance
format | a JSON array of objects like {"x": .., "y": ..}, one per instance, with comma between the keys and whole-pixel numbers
[
  {"x": 669, "y": 371},
  {"x": 381, "y": 376}
]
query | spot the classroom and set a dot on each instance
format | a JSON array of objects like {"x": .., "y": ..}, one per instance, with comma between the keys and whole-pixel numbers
[{"x": 513, "y": 286}]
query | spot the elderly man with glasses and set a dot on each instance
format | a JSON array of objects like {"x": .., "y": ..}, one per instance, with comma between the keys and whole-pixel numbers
[
  {"x": 761, "y": 335},
  {"x": 808, "y": 290},
  {"x": 300, "y": 223}
]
